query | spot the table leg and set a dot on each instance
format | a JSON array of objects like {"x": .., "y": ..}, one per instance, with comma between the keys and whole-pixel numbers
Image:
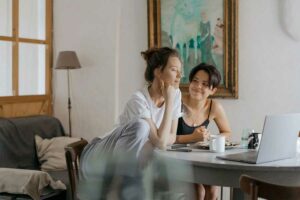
[{"x": 237, "y": 194}]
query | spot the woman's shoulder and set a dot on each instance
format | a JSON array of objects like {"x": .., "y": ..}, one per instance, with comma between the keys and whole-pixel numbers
[
  {"x": 216, "y": 104},
  {"x": 216, "y": 107},
  {"x": 138, "y": 100},
  {"x": 140, "y": 95}
]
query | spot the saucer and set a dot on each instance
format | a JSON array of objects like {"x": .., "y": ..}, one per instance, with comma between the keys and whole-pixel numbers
[{"x": 205, "y": 145}]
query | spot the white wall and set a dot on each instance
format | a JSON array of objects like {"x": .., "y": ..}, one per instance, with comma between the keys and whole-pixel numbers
[
  {"x": 269, "y": 67},
  {"x": 108, "y": 36}
]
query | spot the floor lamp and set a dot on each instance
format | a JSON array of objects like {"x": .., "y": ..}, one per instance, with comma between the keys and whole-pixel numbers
[{"x": 68, "y": 60}]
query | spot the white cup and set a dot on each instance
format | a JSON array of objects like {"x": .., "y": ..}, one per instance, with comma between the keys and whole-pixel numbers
[{"x": 217, "y": 143}]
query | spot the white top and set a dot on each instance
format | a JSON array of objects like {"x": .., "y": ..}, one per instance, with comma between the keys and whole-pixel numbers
[{"x": 141, "y": 106}]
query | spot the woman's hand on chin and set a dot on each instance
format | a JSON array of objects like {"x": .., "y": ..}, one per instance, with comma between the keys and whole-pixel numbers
[{"x": 168, "y": 90}]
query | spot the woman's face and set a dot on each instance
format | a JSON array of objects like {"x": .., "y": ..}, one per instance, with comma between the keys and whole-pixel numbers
[
  {"x": 172, "y": 72},
  {"x": 199, "y": 86}
]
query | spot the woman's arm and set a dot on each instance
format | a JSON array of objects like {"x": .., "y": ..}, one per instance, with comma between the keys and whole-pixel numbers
[
  {"x": 185, "y": 138},
  {"x": 160, "y": 136},
  {"x": 172, "y": 137},
  {"x": 221, "y": 119},
  {"x": 165, "y": 134},
  {"x": 162, "y": 142},
  {"x": 199, "y": 134}
]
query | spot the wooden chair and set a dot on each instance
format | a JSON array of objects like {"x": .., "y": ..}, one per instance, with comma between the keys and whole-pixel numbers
[
  {"x": 258, "y": 188},
  {"x": 72, "y": 153}
]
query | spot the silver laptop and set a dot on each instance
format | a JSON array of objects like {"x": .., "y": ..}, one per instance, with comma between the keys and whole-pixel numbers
[{"x": 279, "y": 141}]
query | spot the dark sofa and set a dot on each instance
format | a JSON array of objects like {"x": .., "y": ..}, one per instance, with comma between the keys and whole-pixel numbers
[{"x": 17, "y": 147}]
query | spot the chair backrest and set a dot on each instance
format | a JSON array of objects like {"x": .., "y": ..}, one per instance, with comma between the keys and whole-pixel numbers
[
  {"x": 258, "y": 188},
  {"x": 72, "y": 153}
]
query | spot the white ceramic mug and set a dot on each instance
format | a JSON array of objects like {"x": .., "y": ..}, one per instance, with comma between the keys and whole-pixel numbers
[{"x": 217, "y": 143}]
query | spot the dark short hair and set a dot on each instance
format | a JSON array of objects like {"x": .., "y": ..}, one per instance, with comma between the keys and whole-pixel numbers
[
  {"x": 213, "y": 74},
  {"x": 157, "y": 58}
]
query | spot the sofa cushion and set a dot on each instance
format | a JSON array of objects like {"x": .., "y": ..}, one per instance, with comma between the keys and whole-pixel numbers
[
  {"x": 51, "y": 152},
  {"x": 30, "y": 182},
  {"x": 17, "y": 144}
]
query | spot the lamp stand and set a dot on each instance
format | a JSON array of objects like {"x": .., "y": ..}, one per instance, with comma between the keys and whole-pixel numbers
[
  {"x": 68, "y": 60},
  {"x": 69, "y": 105}
]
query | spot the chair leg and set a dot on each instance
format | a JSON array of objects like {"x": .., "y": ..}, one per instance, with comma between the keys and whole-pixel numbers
[
  {"x": 221, "y": 193},
  {"x": 253, "y": 191}
]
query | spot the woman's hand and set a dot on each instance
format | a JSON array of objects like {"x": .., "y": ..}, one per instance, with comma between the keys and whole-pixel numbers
[
  {"x": 168, "y": 90},
  {"x": 201, "y": 134}
]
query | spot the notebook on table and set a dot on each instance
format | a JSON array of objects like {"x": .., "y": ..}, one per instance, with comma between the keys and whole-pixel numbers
[{"x": 278, "y": 141}]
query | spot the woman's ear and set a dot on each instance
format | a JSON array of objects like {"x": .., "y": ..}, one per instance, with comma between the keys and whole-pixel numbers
[
  {"x": 213, "y": 91},
  {"x": 157, "y": 73}
]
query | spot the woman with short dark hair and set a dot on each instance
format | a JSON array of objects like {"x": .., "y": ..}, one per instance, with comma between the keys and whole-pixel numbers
[{"x": 199, "y": 110}]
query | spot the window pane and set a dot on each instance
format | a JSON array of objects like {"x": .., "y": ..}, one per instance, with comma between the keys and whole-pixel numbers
[
  {"x": 5, "y": 68},
  {"x": 32, "y": 19},
  {"x": 5, "y": 17},
  {"x": 32, "y": 69}
]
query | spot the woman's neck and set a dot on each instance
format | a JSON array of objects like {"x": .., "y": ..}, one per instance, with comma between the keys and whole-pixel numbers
[
  {"x": 195, "y": 111},
  {"x": 196, "y": 104},
  {"x": 155, "y": 94}
]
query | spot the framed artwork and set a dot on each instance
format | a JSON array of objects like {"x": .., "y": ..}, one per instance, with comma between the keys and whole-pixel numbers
[{"x": 201, "y": 31}]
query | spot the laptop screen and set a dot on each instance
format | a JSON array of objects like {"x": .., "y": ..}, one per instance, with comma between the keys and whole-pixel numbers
[{"x": 279, "y": 137}]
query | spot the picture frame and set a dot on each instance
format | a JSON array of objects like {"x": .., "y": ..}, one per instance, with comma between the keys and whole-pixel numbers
[{"x": 181, "y": 24}]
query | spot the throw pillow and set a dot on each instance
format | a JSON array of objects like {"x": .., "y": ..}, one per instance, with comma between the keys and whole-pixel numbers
[
  {"x": 51, "y": 152},
  {"x": 30, "y": 182}
]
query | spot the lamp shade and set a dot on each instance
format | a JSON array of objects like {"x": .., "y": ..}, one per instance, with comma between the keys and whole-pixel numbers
[{"x": 67, "y": 60}]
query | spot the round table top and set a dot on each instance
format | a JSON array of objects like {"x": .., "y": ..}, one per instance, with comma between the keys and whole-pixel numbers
[
  {"x": 211, "y": 170},
  {"x": 207, "y": 158}
]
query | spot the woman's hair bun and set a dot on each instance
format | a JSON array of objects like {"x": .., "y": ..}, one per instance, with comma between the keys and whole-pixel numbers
[{"x": 149, "y": 53}]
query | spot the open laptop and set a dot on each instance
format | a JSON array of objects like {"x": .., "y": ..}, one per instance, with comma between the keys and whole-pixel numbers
[{"x": 279, "y": 141}]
